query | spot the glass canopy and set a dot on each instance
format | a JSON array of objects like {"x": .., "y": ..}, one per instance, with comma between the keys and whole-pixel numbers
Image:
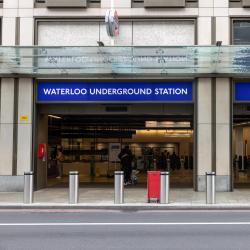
[{"x": 179, "y": 61}]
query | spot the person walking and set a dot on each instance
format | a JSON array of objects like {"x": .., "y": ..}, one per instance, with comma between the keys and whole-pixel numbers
[
  {"x": 163, "y": 161},
  {"x": 126, "y": 161},
  {"x": 60, "y": 160}
]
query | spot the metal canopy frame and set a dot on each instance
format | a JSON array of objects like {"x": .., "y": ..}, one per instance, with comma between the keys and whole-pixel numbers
[{"x": 154, "y": 61}]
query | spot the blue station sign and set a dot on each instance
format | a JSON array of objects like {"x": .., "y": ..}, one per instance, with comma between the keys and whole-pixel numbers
[
  {"x": 242, "y": 91},
  {"x": 81, "y": 91}
]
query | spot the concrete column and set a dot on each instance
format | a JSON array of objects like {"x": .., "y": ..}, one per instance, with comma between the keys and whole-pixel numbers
[
  {"x": 26, "y": 22},
  {"x": 204, "y": 30},
  {"x": 203, "y": 131},
  {"x": 25, "y": 117},
  {"x": 25, "y": 94},
  {"x": 223, "y": 134},
  {"x": 8, "y": 179},
  {"x": 7, "y": 138},
  {"x": 7, "y": 126},
  {"x": 223, "y": 104},
  {"x": 9, "y": 22},
  {"x": 26, "y": 31},
  {"x": 7, "y": 91},
  {"x": 204, "y": 102}
]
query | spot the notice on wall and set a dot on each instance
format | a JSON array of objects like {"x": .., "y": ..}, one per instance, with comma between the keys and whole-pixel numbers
[
  {"x": 24, "y": 118},
  {"x": 114, "y": 151},
  {"x": 114, "y": 91}
]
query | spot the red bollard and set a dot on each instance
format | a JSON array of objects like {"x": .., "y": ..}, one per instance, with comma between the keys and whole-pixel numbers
[{"x": 154, "y": 186}]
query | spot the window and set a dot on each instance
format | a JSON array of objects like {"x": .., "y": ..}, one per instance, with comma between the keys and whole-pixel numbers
[
  {"x": 90, "y": 3},
  {"x": 132, "y": 32},
  {"x": 239, "y": 3},
  {"x": 140, "y": 3},
  {"x": 241, "y": 32}
]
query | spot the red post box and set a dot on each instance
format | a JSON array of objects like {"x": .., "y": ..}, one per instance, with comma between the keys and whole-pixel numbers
[{"x": 154, "y": 186}]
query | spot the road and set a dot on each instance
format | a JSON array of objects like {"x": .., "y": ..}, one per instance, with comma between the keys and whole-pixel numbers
[{"x": 108, "y": 230}]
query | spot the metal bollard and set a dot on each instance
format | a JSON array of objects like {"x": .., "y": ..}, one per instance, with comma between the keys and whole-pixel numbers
[
  {"x": 28, "y": 196},
  {"x": 164, "y": 193},
  {"x": 119, "y": 187},
  {"x": 73, "y": 187},
  {"x": 210, "y": 188}
]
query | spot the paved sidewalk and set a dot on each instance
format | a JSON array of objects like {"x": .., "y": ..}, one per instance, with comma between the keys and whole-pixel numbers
[{"x": 134, "y": 198}]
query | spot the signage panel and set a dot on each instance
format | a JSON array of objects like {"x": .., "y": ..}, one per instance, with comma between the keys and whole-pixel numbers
[
  {"x": 242, "y": 91},
  {"x": 80, "y": 91}
]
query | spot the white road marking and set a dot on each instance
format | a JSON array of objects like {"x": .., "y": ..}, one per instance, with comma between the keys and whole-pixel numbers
[{"x": 126, "y": 224}]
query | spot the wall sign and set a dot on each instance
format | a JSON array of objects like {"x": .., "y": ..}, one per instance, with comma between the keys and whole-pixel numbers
[
  {"x": 24, "y": 118},
  {"x": 113, "y": 91},
  {"x": 242, "y": 91},
  {"x": 114, "y": 151}
]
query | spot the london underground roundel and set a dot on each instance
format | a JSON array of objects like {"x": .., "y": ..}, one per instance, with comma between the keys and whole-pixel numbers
[{"x": 112, "y": 23}]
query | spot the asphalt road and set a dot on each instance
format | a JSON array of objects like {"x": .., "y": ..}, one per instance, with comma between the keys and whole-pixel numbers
[{"x": 101, "y": 230}]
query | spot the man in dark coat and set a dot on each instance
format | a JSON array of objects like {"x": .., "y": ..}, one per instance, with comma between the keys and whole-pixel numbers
[{"x": 126, "y": 161}]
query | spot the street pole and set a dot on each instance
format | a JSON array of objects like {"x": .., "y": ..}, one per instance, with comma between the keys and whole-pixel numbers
[{"x": 112, "y": 39}]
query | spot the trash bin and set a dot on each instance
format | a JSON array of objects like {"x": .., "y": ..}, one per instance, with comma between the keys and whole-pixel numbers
[{"x": 154, "y": 186}]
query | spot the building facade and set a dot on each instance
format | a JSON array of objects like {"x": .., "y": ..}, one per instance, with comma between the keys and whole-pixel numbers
[{"x": 142, "y": 23}]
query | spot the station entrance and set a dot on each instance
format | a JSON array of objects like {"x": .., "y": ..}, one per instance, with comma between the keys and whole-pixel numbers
[
  {"x": 241, "y": 145},
  {"x": 160, "y": 137}
]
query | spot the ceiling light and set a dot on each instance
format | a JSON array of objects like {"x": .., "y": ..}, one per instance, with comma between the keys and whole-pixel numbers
[{"x": 55, "y": 117}]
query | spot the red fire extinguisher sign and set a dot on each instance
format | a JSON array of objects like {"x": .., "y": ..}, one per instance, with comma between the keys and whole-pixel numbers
[{"x": 41, "y": 150}]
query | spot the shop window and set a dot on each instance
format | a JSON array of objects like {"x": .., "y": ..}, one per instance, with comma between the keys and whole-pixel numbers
[
  {"x": 68, "y": 4},
  {"x": 241, "y": 32},
  {"x": 239, "y": 3},
  {"x": 164, "y": 3}
]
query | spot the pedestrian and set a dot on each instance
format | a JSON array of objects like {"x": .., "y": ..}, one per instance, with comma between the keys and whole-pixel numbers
[
  {"x": 163, "y": 161},
  {"x": 126, "y": 162},
  {"x": 60, "y": 160},
  {"x": 173, "y": 161}
]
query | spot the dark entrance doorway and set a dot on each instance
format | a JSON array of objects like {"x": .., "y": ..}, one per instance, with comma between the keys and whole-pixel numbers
[{"x": 92, "y": 134}]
